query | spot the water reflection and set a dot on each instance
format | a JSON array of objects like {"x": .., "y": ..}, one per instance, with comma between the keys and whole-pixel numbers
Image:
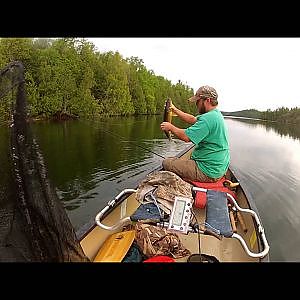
[
  {"x": 290, "y": 130},
  {"x": 90, "y": 162},
  {"x": 268, "y": 162}
]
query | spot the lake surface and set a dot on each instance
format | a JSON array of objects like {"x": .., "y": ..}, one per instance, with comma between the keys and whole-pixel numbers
[{"x": 91, "y": 162}]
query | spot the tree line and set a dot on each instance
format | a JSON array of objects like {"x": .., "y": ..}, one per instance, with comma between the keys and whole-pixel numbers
[
  {"x": 281, "y": 114},
  {"x": 69, "y": 77}
]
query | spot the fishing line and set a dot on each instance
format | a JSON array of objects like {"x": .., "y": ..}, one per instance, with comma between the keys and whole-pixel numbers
[{"x": 120, "y": 137}]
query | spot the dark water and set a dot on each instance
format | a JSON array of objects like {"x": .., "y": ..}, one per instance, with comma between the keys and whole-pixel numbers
[{"x": 91, "y": 162}]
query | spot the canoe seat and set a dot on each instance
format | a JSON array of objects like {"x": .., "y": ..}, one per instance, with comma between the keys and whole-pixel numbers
[
  {"x": 218, "y": 221},
  {"x": 217, "y": 215},
  {"x": 201, "y": 198}
]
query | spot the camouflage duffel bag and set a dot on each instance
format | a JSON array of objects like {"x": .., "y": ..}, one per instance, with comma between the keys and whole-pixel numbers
[{"x": 154, "y": 241}]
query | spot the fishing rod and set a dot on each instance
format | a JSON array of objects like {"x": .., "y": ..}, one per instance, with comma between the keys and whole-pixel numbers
[{"x": 120, "y": 137}]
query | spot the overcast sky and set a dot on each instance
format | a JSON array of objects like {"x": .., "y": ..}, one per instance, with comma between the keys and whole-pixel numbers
[{"x": 260, "y": 73}]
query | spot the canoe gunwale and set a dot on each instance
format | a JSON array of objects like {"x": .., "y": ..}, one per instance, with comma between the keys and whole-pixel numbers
[{"x": 252, "y": 206}]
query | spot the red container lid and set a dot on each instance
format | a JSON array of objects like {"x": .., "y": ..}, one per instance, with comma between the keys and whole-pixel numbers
[{"x": 160, "y": 258}]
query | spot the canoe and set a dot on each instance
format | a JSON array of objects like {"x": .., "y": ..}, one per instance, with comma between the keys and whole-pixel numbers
[{"x": 244, "y": 240}]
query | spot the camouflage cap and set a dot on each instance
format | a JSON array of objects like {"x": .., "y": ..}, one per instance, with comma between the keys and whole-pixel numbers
[{"x": 206, "y": 92}]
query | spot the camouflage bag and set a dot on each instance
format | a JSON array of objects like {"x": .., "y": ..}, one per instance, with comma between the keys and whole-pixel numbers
[
  {"x": 164, "y": 185},
  {"x": 156, "y": 241}
]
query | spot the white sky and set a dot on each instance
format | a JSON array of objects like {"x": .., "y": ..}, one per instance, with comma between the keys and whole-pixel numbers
[{"x": 259, "y": 73}]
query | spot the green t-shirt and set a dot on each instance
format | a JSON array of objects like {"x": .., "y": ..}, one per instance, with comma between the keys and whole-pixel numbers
[{"x": 210, "y": 136}]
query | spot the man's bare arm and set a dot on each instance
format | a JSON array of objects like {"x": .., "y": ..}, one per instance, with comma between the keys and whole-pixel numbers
[
  {"x": 177, "y": 131},
  {"x": 184, "y": 116}
]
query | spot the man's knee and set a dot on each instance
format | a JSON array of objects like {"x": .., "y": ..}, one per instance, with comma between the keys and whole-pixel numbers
[{"x": 166, "y": 164}]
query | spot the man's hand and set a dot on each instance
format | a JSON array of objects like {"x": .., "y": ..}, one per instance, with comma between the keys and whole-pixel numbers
[
  {"x": 166, "y": 126},
  {"x": 173, "y": 107}
]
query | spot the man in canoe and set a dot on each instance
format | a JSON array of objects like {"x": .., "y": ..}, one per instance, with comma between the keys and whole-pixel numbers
[{"x": 210, "y": 158}]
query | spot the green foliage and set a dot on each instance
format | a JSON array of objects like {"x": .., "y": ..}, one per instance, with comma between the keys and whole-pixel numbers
[
  {"x": 247, "y": 113},
  {"x": 67, "y": 76},
  {"x": 12, "y": 49},
  {"x": 283, "y": 115},
  {"x": 135, "y": 88}
]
